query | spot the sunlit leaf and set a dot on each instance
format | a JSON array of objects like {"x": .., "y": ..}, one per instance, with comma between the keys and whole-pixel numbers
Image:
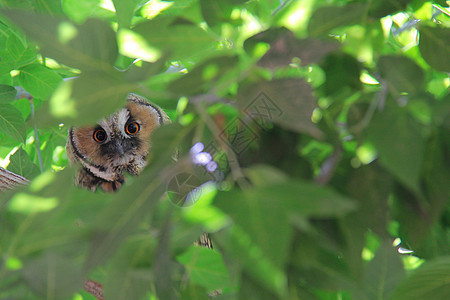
[
  {"x": 20, "y": 163},
  {"x": 39, "y": 80},
  {"x": 11, "y": 122},
  {"x": 215, "y": 12},
  {"x": 180, "y": 39},
  {"x": 89, "y": 46},
  {"x": 18, "y": 54},
  {"x": 79, "y": 10},
  {"x": 125, "y": 11}
]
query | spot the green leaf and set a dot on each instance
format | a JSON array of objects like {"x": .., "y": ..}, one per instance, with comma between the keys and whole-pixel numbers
[
  {"x": 48, "y": 6},
  {"x": 202, "y": 76},
  {"x": 381, "y": 8},
  {"x": 194, "y": 292},
  {"x": 11, "y": 122},
  {"x": 398, "y": 141},
  {"x": 216, "y": 12},
  {"x": 429, "y": 281},
  {"x": 79, "y": 10},
  {"x": 341, "y": 70},
  {"x": 7, "y": 93},
  {"x": 92, "y": 95},
  {"x": 20, "y": 163},
  {"x": 38, "y": 80},
  {"x": 434, "y": 45},
  {"x": 325, "y": 19},
  {"x": 145, "y": 71},
  {"x": 129, "y": 274},
  {"x": 382, "y": 274},
  {"x": 287, "y": 102},
  {"x": 248, "y": 208},
  {"x": 284, "y": 46},
  {"x": 370, "y": 185},
  {"x": 125, "y": 11},
  {"x": 89, "y": 46},
  {"x": 402, "y": 74},
  {"x": 244, "y": 253},
  {"x": 53, "y": 276},
  {"x": 180, "y": 39},
  {"x": 17, "y": 54},
  {"x": 205, "y": 267}
]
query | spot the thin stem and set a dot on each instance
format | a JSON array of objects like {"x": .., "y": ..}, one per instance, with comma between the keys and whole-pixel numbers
[
  {"x": 236, "y": 171},
  {"x": 36, "y": 136},
  {"x": 280, "y": 7}
]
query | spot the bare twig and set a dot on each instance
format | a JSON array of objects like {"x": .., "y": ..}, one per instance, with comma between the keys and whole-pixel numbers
[
  {"x": 94, "y": 288},
  {"x": 280, "y": 7},
  {"x": 329, "y": 166},
  {"x": 440, "y": 10}
]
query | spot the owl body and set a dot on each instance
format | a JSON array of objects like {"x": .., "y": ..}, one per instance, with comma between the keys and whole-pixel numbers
[{"x": 117, "y": 144}]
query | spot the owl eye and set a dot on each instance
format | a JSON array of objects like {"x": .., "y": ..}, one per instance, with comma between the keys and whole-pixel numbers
[
  {"x": 132, "y": 128},
  {"x": 99, "y": 135}
]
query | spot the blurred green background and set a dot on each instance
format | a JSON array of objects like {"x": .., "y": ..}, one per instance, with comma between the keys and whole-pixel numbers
[{"x": 328, "y": 120}]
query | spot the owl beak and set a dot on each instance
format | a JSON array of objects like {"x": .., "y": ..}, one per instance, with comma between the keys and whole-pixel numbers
[{"x": 119, "y": 147}]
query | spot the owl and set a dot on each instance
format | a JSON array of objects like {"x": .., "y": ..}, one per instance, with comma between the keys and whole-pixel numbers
[{"x": 117, "y": 144}]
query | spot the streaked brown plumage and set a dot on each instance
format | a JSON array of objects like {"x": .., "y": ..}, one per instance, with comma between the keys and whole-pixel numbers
[{"x": 117, "y": 144}]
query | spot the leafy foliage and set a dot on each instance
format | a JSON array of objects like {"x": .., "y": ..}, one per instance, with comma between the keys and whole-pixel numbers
[{"x": 328, "y": 121}]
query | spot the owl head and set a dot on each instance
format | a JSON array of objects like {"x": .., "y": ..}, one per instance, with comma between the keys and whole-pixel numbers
[{"x": 117, "y": 144}]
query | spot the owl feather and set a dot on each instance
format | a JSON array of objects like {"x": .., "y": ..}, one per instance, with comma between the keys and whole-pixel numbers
[{"x": 117, "y": 144}]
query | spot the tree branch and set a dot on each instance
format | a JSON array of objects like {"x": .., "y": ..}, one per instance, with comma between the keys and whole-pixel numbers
[{"x": 9, "y": 180}]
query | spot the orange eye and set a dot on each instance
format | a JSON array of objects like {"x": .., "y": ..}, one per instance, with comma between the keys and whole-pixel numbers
[
  {"x": 99, "y": 135},
  {"x": 132, "y": 128}
]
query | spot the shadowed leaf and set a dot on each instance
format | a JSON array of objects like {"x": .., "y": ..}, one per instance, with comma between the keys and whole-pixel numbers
[
  {"x": 398, "y": 141},
  {"x": 89, "y": 46},
  {"x": 287, "y": 102},
  {"x": 402, "y": 74},
  {"x": 7, "y": 93},
  {"x": 284, "y": 46},
  {"x": 53, "y": 276},
  {"x": 434, "y": 45},
  {"x": 430, "y": 281}
]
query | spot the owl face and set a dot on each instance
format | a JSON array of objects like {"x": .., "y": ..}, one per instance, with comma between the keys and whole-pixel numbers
[{"x": 116, "y": 144}]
